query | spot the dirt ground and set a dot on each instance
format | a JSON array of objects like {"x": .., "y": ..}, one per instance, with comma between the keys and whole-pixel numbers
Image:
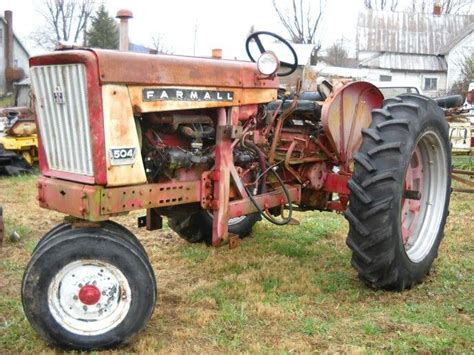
[{"x": 285, "y": 289}]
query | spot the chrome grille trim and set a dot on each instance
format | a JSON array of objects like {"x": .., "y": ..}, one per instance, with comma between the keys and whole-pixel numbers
[{"x": 64, "y": 127}]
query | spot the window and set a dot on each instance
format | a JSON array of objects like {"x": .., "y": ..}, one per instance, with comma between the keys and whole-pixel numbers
[
  {"x": 431, "y": 84},
  {"x": 385, "y": 78}
]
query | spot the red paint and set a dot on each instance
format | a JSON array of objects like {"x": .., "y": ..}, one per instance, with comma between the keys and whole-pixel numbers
[
  {"x": 350, "y": 104},
  {"x": 96, "y": 122},
  {"x": 247, "y": 111},
  {"x": 89, "y": 295},
  {"x": 151, "y": 69},
  {"x": 411, "y": 208},
  {"x": 337, "y": 183}
]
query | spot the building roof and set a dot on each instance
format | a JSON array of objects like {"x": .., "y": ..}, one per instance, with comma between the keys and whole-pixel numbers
[
  {"x": 138, "y": 48},
  {"x": 15, "y": 37},
  {"x": 406, "y": 62},
  {"x": 456, "y": 39},
  {"x": 406, "y": 32}
]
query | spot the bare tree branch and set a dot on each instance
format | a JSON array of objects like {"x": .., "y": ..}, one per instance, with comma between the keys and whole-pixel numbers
[
  {"x": 63, "y": 20},
  {"x": 453, "y": 7},
  {"x": 381, "y": 5},
  {"x": 300, "y": 20},
  {"x": 160, "y": 46}
]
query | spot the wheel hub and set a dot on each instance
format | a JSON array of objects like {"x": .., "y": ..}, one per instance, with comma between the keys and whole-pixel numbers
[
  {"x": 424, "y": 196},
  {"x": 89, "y": 297},
  {"x": 412, "y": 195},
  {"x": 89, "y": 294}
]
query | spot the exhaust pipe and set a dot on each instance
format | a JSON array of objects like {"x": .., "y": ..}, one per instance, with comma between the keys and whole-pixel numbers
[
  {"x": 11, "y": 73},
  {"x": 124, "y": 15}
]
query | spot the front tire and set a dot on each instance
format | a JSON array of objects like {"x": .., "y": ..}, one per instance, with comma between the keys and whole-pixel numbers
[
  {"x": 119, "y": 230},
  {"x": 88, "y": 290},
  {"x": 400, "y": 193}
]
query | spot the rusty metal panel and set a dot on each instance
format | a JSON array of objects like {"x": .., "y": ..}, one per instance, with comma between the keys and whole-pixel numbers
[
  {"x": 78, "y": 200},
  {"x": 240, "y": 97},
  {"x": 124, "y": 199},
  {"x": 151, "y": 69},
  {"x": 408, "y": 32},
  {"x": 120, "y": 131},
  {"x": 345, "y": 113}
]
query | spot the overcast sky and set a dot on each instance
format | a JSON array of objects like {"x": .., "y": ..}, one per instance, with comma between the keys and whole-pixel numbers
[{"x": 220, "y": 23}]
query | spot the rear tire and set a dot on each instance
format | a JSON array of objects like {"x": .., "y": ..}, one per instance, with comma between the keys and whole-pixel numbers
[
  {"x": 87, "y": 290},
  {"x": 400, "y": 193},
  {"x": 197, "y": 227}
]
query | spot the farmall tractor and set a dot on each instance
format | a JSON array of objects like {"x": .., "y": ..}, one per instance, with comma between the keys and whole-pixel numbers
[{"x": 214, "y": 146}]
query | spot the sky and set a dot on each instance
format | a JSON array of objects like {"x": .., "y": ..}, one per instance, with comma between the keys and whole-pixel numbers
[{"x": 218, "y": 24}]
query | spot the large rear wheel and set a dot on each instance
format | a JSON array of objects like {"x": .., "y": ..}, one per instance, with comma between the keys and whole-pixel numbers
[
  {"x": 400, "y": 193},
  {"x": 197, "y": 227}
]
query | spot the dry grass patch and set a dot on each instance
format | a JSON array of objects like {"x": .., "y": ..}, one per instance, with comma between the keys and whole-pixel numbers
[{"x": 286, "y": 289}]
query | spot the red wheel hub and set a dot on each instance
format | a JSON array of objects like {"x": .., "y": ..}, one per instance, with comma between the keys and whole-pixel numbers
[
  {"x": 89, "y": 294},
  {"x": 413, "y": 186}
]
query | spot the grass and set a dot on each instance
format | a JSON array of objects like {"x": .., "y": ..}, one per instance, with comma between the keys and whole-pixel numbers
[
  {"x": 7, "y": 101},
  {"x": 285, "y": 289}
]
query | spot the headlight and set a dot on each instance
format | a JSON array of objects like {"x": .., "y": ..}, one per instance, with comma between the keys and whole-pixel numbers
[{"x": 268, "y": 64}]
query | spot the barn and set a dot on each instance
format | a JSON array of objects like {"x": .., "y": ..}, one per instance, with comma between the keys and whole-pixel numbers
[{"x": 414, "y": 49}]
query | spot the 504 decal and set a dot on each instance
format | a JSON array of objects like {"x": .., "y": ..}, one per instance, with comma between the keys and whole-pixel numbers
[{"x": 122, "y": 156}]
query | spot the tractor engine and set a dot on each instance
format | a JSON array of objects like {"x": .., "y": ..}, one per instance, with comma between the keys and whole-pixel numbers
[{"x": 176, "y": 141}]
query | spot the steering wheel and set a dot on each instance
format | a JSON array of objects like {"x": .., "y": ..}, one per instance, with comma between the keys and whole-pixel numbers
[{"x": 256, "y": 37}]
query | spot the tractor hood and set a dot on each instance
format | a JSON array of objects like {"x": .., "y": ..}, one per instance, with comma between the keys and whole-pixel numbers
[{"x": 116, "y": 67}]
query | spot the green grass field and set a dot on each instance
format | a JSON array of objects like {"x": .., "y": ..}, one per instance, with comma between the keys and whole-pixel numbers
[{"x": 285, "y": 289}]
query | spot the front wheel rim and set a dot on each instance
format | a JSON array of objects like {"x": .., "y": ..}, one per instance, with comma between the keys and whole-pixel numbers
[
  {"x": 89, "y": 297},
  {"x": 424, "y": 196}
]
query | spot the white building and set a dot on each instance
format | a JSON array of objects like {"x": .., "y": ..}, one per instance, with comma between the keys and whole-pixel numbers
[
  {"x": 455, "y": 52},
  {"x": 13, "y": 55},
  {"x": 413, "y": 49}
]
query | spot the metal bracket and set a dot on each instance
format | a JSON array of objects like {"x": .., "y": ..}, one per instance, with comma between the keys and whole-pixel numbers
[
  {"x": 229, "y": 132},
  {"x": 152, "y": 221},
  {"x": 234, "y": 241}
]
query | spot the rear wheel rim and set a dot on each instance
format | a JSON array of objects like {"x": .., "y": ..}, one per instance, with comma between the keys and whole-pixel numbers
[
  {"x": 89, "y": 297},
  {"x": 426, "y": 176},
  {"x": 232, "y": 221}
]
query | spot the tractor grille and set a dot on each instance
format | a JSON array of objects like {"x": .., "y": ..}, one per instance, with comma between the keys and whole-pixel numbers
[{"x": 63, "y": 116}]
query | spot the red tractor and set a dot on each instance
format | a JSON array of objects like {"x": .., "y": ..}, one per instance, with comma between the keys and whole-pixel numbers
[{"x": 214, "y": 146}]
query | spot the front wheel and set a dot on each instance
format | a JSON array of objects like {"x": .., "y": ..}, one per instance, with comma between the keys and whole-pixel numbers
[
  {"x": 400, "y": 193},
  {"x": 88, "y": 290}
]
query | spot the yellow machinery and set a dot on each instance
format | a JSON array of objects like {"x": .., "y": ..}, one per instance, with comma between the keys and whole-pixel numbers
[{"x": 19, "y": 143}]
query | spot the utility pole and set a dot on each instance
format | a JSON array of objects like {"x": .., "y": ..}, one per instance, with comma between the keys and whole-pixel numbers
[{"x": 195, "y": 37}]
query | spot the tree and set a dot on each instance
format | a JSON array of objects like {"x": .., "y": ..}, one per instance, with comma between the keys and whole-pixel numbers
[
  {"x": 455, "y": 7},
  {"x": 467, "y": 75},
  {"x": 381, "y": 4},
  {"x": 104, "y": 32},
  {"x": 337, "y": 53},
  {"x": 160, "y": 46},
  {"x": 64, "y": 20},
  {"x": 302, "y": 20}
]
